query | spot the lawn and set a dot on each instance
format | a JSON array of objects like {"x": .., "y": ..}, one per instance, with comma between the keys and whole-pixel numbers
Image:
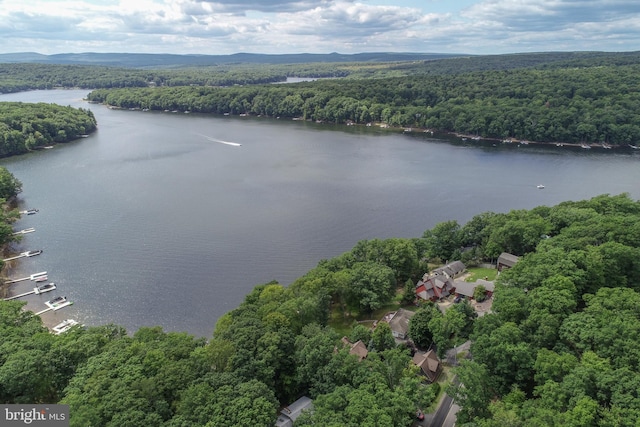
[
  {"x": 481, "y": 273},
  {"x": 343, "y": 324}
]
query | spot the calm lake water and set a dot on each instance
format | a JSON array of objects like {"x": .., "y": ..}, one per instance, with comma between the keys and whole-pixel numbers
[{"x": 152, "y": 221}]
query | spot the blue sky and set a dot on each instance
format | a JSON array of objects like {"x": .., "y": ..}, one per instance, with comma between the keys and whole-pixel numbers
[{"x": 318, "y": 26}]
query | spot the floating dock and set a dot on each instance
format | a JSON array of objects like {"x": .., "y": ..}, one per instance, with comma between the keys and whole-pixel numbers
[
  {"x": 34, "y": 277},
  {"x": 25, "y": 231},
  {"x": 64, "y": 326},
  {"x": 55, "y": 305},
  {"x": 24, "y": 254},
  {"x": 36, "y": 291}
]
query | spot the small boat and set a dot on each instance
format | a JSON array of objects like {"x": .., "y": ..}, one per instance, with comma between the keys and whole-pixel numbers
[
  {"x": 539, "y": 186},
  {"x": 58, "y": 303},
  {"x": 34, "y": 276},
  {"x": 29, "y": 212},
  {"x": 44, "y": 288},
  {"x": 585, "y": 146},
  {"x": 41, "y": 279},
  {"x": 606, "y": 146},
  {"x": 64, "y": 326},
  {"x": 635, "y": 147},
  {"x": 33, "y": 253}
]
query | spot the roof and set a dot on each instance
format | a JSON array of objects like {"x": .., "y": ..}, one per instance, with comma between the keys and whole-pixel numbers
[
  {"x": 290, "y": 413},
  {"x": 507, "y": 259},
  {"x": 428, "y": 363},
  {"x": 425, "y": 291},
  {"x": 467, "y": 288},
  {"x": 457, "y": 267},
  {"x": 489, "y": 286},
  {"x": 399, "y": 323},
  {"x": 450, "y": 270},
  {"x": 359, "y": 349}
]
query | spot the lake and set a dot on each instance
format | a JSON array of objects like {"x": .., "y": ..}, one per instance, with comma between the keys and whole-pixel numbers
[{"x": 153, "y": 220}]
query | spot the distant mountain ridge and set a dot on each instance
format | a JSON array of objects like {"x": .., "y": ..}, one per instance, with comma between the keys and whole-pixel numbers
[{"x": 137, "y": 60}]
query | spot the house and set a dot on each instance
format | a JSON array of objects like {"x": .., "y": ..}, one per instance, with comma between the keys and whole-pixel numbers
[
  {"x": 506, "y": 260},
  {"x": 399, "y": 323},
  {"x": 466, "y": 289},
  {"x": 428, "y": 363},
  {"x": 433, "y": 288},
  {"x": 290, "y": 413},
  {"x": 358, "y": 348},
  {"x": 451, "y": 270}
]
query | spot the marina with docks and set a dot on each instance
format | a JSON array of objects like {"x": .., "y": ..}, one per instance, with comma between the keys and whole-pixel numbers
[{"x": 43, "y": 285}]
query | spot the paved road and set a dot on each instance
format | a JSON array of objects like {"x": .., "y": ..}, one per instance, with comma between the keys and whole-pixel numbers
[{"x": 441, "y": 412}]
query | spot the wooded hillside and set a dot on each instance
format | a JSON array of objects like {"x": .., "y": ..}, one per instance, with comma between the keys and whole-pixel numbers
[
  {"x": 560, "y": 348},
  {"x": 25, "y": 127}
]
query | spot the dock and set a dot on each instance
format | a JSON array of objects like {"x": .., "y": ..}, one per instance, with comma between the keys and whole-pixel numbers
[
  {"x": 55, "y": 305},
  {"x": 64, "y": 326},
  {"x": 36, "y": 291},
  {"x": 31, "y": 277},
  {"x": 25, "y": 231},
  {"x": 24, "y": 254}
]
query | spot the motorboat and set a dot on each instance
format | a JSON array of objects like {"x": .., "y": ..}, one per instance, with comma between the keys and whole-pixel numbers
[
  {"x": 539, "y": 186},
  {"x": 41, "y": 279},
  {"x": 64, "y": 326},
  {"x": 33, "y": 253},
  {"x": 44, "y": 288},
  {"x": 58, "y": 303}
]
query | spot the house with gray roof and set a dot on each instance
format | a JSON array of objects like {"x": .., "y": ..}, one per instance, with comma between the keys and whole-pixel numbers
[
  {"x": 399, "y": 323},
  {"x": 290, "y": 413},
  {"x": 451, "y": 270},
  {"x": 506, "y": 260},
  {"x": 466, "y": 289}
]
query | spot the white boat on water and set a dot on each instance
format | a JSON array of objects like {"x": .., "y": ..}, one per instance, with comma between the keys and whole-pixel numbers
[
  {"x": 35, "y": 276},
  {"x": 64, "y": 326},
  {"x": 41, "y": 279},
  {"x": 44, "y": 288},
  {"x": 58, "y": 303},
  {"x": 635, "y": 147},
  {"x": 33, "y": 253},
  {"x": 585, "y": 146},
  {"x": 29, "y": 212},
  {"x": 539, "y": 186}
]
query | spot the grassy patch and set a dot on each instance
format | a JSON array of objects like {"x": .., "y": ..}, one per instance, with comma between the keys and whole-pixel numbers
[{"x": 481, "y": 273}]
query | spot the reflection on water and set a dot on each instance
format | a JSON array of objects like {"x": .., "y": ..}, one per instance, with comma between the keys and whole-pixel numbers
[{"x": 146, "y": 222}]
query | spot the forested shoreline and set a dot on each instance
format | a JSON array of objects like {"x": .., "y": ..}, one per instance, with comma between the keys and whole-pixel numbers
[
  {"x": 565, "y": 105},
  {"x": 560, "y": 347},
  {"x": 572, "y": 98},
  {"x": 25, "y": 126}
]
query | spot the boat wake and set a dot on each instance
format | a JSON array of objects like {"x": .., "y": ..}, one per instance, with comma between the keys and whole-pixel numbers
[{"x": 234, "y": 144}]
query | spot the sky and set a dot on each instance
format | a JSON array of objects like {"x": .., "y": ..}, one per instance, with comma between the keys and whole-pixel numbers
[{"x": 318, "y": 26}]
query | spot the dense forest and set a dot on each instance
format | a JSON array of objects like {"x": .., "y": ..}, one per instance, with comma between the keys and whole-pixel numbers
[
  {"x": 25, "y": 127},
  {"x": 573, "y": 97},
  {"x": 567, "y": 105},
  {"x": 559, "y": 349}
]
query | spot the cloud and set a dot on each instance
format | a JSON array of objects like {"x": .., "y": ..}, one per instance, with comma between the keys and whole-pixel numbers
[
  {"x": 270, "y": 6},
  {"x": 285, "y": 26}
]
